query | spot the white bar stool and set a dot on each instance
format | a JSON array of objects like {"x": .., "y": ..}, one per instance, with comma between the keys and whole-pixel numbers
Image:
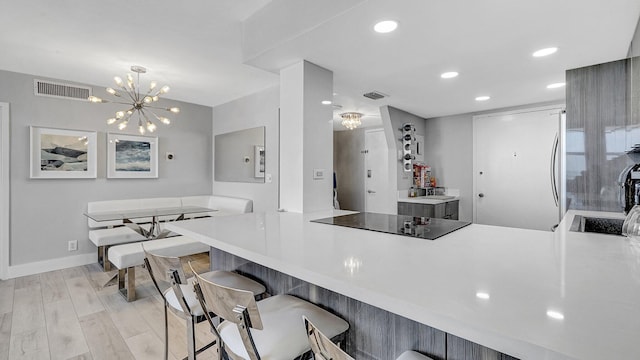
[
  {"x": 277, "y": 318},
  {"x": 181, "y": 299},
  {"x": 325, "y": 349}
]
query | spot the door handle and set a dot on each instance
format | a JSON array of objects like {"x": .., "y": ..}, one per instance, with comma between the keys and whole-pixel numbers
[
  {"x": 481, "y": 195},
  {"x": 554, "y": 159},
  {"x": 371, "y": 191}
]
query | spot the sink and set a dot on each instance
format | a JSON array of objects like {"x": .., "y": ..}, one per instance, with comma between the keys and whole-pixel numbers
[
  {"x": 438, "y": 197},
  {"x": 606, "y": 226}
]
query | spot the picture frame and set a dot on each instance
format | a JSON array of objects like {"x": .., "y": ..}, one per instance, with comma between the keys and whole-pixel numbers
[
  {"x": 258, "y": 161},
  {"x": 62, "y": 153},
  {"x": 132, "y": 156}
]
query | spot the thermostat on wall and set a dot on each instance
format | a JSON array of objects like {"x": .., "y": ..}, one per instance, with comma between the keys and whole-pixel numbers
[{"x": 318, "y": 174}]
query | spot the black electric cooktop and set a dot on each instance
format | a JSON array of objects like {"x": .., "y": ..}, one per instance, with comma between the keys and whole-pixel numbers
[{"x": 420, "y": 227}]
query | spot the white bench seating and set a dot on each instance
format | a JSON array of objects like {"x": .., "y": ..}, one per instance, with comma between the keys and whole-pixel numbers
[
  {"x": 105, "y": 234},
  {"x": 126, "y": 257}
]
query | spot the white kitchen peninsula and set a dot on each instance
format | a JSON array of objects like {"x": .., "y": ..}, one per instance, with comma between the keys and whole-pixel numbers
[{"x": 530, "y": 294}]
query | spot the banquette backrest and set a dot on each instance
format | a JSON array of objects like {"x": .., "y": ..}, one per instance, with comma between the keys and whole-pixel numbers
[{"x": 225, "y": 205}]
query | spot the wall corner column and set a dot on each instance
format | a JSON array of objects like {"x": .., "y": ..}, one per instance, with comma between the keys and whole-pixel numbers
[{"x": 306, "y": 138}]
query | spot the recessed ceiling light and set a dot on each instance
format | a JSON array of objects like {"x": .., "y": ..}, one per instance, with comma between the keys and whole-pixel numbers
[
  {"x": 483, "y": 295},
  {"x": 545, "y": 52},
  {"x": 385, "y": 26},
  {"x": 483, "y": 98},
  {"x": 555, "y": 315},
  {"x": 326, "y": 102},
  {"x": 449, "y": 75},
  {"x": 555, "y": 86}
]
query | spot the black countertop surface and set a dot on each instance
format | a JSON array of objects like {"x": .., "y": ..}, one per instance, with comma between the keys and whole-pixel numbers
[{"x": 420, "y": 227}]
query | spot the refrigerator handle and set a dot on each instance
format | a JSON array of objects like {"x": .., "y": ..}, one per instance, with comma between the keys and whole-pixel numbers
[{"x": 553, "y": 170}]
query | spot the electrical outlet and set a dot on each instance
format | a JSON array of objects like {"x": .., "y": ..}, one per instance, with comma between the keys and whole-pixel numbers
[{"x": 73, "y": 245}]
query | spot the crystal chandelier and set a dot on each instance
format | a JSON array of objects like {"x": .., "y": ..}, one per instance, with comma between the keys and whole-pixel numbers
[
  {"x": 139, "y": 102},
  {"x": 351, "y": 120}
]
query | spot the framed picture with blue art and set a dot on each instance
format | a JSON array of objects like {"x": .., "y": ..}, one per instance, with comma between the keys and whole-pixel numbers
[
  {"x": 132, "y": 156},
  {"x": 62, "y": 153}
]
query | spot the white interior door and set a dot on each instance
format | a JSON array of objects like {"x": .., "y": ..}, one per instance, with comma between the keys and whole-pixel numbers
[
  {"x": 376, "y": 169},
  {"x": 514, "y": 164}
]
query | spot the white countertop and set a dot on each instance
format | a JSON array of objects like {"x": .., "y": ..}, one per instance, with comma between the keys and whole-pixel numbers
[
  {"x": 430, "y": 200},
  {"x": 593, "y": 280}
]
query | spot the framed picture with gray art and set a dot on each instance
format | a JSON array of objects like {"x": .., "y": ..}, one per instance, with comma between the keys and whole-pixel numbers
[
  {"x": 62, "y": 153},
  {"x": 132, "y": 156}
]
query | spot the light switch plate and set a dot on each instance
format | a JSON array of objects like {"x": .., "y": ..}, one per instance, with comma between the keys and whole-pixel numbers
[
  {"x": 267, "y": 178},
  {"x": 318, "y": 174}
]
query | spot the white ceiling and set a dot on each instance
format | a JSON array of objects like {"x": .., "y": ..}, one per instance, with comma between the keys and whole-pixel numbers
[{"x": 196, "y": 46}]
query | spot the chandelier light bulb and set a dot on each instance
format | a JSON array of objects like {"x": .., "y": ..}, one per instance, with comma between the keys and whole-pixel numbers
[{"x": 136, "y": 102}]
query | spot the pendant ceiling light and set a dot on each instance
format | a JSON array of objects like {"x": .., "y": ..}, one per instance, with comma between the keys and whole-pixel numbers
[
  {"x": 140, "y": 103},
  {"x": 351, "y": 120}
]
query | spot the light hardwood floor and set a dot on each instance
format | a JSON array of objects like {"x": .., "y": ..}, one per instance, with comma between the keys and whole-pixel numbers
[{"x": 68, "y": 314}]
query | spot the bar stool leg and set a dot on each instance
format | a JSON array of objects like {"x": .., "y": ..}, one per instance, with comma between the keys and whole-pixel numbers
[{"x": 191, "y": 338}]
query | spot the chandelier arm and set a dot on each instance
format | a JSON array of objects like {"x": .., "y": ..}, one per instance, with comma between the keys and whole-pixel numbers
[
  {"x": 131, "y": 96},
  {"x": 126, "y": 117},
  {"x": 149, "y": 110},
  {"x": 154, "y": 114},
  {"x": 118, "y": 102},
  {"x": 144, "y": 115},
  {"x": 157, "y": 107},
  {"x": 163, "y": 120}
]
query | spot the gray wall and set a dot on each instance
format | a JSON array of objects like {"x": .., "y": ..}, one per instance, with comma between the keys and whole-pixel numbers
[
  {"x": 259, "y": 109},
  {"x": 348, "y": 164},
  {"x": 448, "y": 150},
  {"x": 47, "y": 213},
  {"x": 634, "y": 46}
]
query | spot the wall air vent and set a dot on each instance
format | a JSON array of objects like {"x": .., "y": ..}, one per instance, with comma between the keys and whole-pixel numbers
[
  {"x": 374, "y": 95},
  {"x": 59, "y": 90}
]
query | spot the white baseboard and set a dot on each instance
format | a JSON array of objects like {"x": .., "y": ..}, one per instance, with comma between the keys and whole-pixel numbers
[{"x": 38, "y": 267}]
